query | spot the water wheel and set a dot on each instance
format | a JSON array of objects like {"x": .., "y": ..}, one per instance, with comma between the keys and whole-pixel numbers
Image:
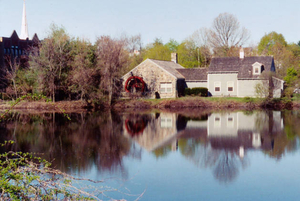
[{"x": 135, "y": 84}]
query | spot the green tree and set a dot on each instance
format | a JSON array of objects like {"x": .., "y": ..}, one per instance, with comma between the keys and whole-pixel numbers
[
  {"x": 83, "y": 72},
  {"x": 189, "y": 55},
  {"x": 291, "y": 77},
  {"x": 51, "y": 60},
  {"x": 172, "y": 45},
  {"x": 157, "y": 50},
  {"x": 269, "y": 41}
]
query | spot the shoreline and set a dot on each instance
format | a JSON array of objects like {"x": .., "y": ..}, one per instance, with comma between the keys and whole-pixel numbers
[{"x": 185, "y": 103}]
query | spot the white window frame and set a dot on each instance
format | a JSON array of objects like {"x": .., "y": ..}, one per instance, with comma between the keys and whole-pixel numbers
[
  {"x": 230, "y": 123},
  {"x": 166, "y": 87},
  {"x": 217, "y": 84},
  {"x": 230, "y": 84},
  {"x": 257, "y": 66},
  {"x": 217, "y": 122},
  {"x": 166, "y": 122}
]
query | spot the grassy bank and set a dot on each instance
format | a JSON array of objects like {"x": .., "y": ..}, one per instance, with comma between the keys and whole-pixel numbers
[
  {"x": 206, "y": 103},
  {"x": 170, "y": 104}
]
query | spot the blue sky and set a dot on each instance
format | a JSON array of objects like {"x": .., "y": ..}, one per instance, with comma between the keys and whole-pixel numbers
[{"x": 165, "y": 19}]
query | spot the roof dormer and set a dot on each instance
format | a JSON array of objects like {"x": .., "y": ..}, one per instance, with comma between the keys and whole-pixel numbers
[{"x": 257, "y": 68}]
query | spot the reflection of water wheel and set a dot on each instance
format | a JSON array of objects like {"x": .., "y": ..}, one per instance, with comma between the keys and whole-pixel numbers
[
  {"x": 135, "y": 127},
  {"x": 135, "y": 84}
]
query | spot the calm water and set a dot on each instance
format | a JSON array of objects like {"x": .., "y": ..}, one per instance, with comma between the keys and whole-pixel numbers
[{"x": 171, "y": 156}]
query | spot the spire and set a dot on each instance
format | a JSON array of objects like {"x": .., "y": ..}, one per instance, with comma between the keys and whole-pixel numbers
[{"x": 24, "y": 28}]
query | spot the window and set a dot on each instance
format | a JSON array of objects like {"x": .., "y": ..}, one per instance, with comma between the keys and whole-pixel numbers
[
  {"x": 166, "y": 87},
  {"x": 257, "y": 68},
  {"x": 217, "y": 122},
  {"x": 166, "y": 122},
  {"x": 217, "y": 86},
  {"x": 230, "y": 86},
  {"x": 230, "y": 121}
]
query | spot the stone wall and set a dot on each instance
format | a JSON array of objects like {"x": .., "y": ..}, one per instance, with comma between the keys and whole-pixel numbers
[{"x": 153, "y": 77}]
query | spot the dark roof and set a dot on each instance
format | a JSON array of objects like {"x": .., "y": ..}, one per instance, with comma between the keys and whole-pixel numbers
[
  {"x": 169, "y": 66},
  {"x": 192, "y": 74},
  {"x": 242, "y": 66}
]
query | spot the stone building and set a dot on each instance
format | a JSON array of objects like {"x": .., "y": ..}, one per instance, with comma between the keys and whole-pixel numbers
[
  {"x": 155, "y": 79},
  {"x": 226, "y": 76}
]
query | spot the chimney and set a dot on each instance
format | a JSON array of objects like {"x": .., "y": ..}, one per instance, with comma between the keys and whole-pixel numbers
[
  {"x": 242, "y": 54},
  {"x": 174, "y": 57}
]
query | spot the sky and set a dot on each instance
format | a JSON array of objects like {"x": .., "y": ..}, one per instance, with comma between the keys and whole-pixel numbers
[{"x": 164, "y": 19}]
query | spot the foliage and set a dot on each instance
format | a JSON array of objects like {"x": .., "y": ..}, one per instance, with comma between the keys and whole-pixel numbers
[
  {"x": 82, "y": 74},
  {"x": 270, "y": 40},
  {"x": 112, "y": 61},
  {"x": 202, "y": 91},
  {"x": 292, "y": 76},
  {"x": 157, "y": 50},
  {"x": 24, "y": 176},
  {"x": 189, "y": 56},
  {"x": 172, "y": 45},
  {"x": 51, "y": 61},
  {"x": 262, "y": 90}
]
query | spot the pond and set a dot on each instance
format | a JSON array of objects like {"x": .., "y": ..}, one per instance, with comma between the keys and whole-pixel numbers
[{"x": 188, "y": 155}]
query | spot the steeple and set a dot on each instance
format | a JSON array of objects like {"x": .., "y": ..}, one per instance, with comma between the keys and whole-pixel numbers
[{"x": 24, "y": 29}]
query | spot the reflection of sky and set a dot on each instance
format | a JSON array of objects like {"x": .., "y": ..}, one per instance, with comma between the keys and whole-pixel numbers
[{"x": 174, "y": 178}]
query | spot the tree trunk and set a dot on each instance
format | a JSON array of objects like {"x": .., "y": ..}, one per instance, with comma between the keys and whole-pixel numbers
[{"x": 110, "y": 91}]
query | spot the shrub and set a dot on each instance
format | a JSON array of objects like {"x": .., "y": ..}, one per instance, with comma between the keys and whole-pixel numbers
[{"x": 202, "y": 91}]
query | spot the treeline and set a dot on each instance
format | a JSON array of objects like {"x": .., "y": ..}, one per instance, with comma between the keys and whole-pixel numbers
[{"x": 67, "y": 68}]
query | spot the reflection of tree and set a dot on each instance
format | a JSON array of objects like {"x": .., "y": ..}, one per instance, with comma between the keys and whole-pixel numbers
[
  {"x": 227, "y": 167},
  {"x": 73, "y": 145},
  {"x": 225, "y": 163}
]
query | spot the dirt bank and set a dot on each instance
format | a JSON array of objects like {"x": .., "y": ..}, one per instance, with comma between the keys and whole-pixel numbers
[
  {"x": 205, "y": 103},
  {"x": 187, "y": 103}
]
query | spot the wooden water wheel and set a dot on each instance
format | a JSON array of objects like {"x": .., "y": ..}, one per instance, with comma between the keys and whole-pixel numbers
[{"x": 134, "y": 84}]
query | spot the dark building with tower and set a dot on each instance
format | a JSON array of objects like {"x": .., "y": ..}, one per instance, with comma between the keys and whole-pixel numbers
[{"x": 15, "y": 49}]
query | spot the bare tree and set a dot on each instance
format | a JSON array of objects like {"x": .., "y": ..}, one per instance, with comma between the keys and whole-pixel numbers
[
  {"x": 112, "y": 59},
  {"x": 226, "y": 33},
  {"x": 200, "y": 39}
]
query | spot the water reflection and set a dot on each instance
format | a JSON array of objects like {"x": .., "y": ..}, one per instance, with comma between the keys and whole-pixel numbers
[
  {"x": 218, "y": 141},
  {"x": 73, "y": 146}
]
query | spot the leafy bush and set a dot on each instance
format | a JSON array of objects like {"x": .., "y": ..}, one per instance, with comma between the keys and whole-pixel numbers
[{"x": 202, "y": 91}]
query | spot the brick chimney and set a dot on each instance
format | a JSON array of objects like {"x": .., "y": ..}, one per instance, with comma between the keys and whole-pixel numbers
[
  {"x": 242, "y": 54},
  {"x": 174, "y": 57}
]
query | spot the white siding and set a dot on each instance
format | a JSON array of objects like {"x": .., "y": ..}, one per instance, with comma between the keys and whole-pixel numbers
[
  {"x": 223, "y": 79},
  {"x": 194, "y": 84},
  {"x": 246, "y": 88}
]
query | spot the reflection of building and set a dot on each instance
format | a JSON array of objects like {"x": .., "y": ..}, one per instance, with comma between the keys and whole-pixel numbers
[
  {"x": 236, "y": 131},
  {"x": 159, "y": 130}
]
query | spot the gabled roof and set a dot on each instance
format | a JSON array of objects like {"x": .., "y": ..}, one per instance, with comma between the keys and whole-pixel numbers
[
  {"x": 170, "y": 67},
  {"x": 194, "y": 74},
  {"x": 242, "y": 66}
]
